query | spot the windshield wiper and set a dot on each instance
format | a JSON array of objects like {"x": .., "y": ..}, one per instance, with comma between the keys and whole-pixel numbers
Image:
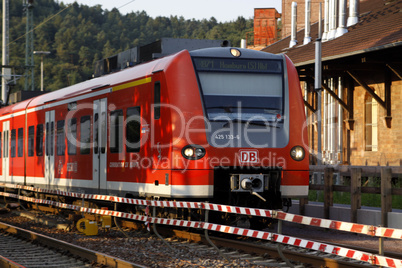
[
  {"x": 227, "y": 109},
  {"x": 253, "y": 123}
]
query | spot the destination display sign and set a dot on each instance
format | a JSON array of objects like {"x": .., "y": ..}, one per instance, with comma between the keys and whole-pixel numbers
[{"x": 238, "y": 65}]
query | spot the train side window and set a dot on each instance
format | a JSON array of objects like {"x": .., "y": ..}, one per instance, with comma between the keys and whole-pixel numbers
[
  {"x": 39, "y": 140},
  {"x": 72, "y": 136},
  {"x": 133, "y": 129},
  {"x": 85, "y": 130},
  {"x": 61, "y": 142},
  {"x": 103, "y": 131},
  {"x": 52, "y": 138},
  {"x": 49, "y": 138},
  {"x": 6, "y": 141},
  {"x": 31, "y": 137},
  {"x": 20, "y": 142},
  {"x": 13, "y": 143},
  {"x": 116, "y": 131},
  {"x": 157, "y": 100},
  {"x": 96, "y": 133}
]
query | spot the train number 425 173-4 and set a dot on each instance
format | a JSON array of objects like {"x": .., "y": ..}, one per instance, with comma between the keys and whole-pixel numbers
[{"x": 227, "y": 137}]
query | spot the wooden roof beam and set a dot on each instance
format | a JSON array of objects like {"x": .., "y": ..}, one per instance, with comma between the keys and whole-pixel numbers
[
  {"x": 309, "y": 106},
  {"x": 367, "y": 88},
  {"x": 387, "y": 87},
  {"x": 395, "y": 71}
]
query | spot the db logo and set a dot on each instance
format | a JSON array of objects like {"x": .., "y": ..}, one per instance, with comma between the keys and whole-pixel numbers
[{"x": 249, "y": 156}]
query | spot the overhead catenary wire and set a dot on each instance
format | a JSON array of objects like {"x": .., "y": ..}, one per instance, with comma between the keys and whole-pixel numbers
[
  {"x": 51, "y": 17},
  {"x": 40, "y": 24},
  {"x": 126, "y": 4}
]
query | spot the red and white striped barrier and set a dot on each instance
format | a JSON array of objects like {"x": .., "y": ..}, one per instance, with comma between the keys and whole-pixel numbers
[
  {"x": 324, "y": 223},
  {"x": 78, "y": 208},
  {"x": 331, "y": 224},
  {"x": 175, "y": 204},
  {"x": 288, "y": 240},
  {"x": 303, "y": 243},
  {"x": 238, "y": 210},
  {"x": 181, "y": 223}
]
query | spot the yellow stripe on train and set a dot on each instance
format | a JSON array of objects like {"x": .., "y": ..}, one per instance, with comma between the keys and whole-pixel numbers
[{"x": 133, "y": 84}]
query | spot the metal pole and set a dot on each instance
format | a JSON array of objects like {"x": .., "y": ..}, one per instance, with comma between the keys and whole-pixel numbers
[
  {"x": 42, "y": 53},
  {"x": 29, "y": 60},
  {"x": 340, "y": 120},
  {"x": 317, "y": 85},
  {"x": 5, "y": 56},
  {"x": 41, "y": 72}
]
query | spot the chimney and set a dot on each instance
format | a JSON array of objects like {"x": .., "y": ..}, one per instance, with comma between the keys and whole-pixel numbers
[
  {"x": 293, "y": 40},
  {"x": 307, "y": 37},
  {"x": 341, "y": 30},
  {"x": 353, "y": 12},
  {"x": 326, "y": 25},
  {"x": 243, "y": 43},
  {"x": 333, "y": 14}
]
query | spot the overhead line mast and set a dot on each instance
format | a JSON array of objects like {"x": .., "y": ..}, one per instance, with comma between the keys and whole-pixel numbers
[
  {"x": 5, "y": 56},
  {"x": 29, "y": 47}
]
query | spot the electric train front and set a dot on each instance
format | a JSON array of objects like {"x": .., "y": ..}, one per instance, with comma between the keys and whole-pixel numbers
[{"x": 251, "y": 148}]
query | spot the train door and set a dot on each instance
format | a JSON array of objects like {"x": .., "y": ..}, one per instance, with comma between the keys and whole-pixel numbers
[
  {"x": 49, "y": 147},
  {"x": 6, "y": 144},
  {"x": 99, "y": 140}
]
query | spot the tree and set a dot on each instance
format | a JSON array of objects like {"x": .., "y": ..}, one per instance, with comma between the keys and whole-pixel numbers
[{"x": 80, "y": 35}]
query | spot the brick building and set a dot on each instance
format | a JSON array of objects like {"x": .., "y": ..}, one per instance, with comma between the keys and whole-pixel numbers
[
  {"x": 361, "y": 113},
  {"x": 265, "y": 26}
]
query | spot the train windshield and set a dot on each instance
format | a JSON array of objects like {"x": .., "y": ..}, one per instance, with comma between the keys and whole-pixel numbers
[{"x": 247, "y": 90}]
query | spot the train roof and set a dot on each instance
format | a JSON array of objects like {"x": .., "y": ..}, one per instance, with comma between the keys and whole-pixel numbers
[
  {"x": 245, "y": 53},
  {"x": 109, "y": 80},
  {"x": 129, "y": 74}
]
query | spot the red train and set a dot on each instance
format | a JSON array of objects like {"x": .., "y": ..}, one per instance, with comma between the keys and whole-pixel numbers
[{"x": 218, "y": 124}]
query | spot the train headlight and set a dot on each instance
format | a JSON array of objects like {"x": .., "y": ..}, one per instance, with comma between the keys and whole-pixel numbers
[
  {"x": 297, "y": 153},
  {"x": 193, "y": 152},
  {"x": 235, "y": 52}
]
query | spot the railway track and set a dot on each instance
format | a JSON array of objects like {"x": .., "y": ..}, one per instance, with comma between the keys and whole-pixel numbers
[
  {"x": 257, "y": 253},
  {"x": 27, "y": 254},
  {"x": 269, "y": 254},
  {"x": 24, "y": 248}
]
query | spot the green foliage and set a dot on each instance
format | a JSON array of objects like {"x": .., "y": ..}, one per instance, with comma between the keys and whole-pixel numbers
[{"x": 80, "y": 35}]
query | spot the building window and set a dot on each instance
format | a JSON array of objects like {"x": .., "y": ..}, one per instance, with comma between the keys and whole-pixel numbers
[{"x": 370, "y": 124}]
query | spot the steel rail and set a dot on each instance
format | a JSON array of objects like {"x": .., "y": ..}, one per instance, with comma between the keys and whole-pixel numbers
[{"x": 92, "y": 256}]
